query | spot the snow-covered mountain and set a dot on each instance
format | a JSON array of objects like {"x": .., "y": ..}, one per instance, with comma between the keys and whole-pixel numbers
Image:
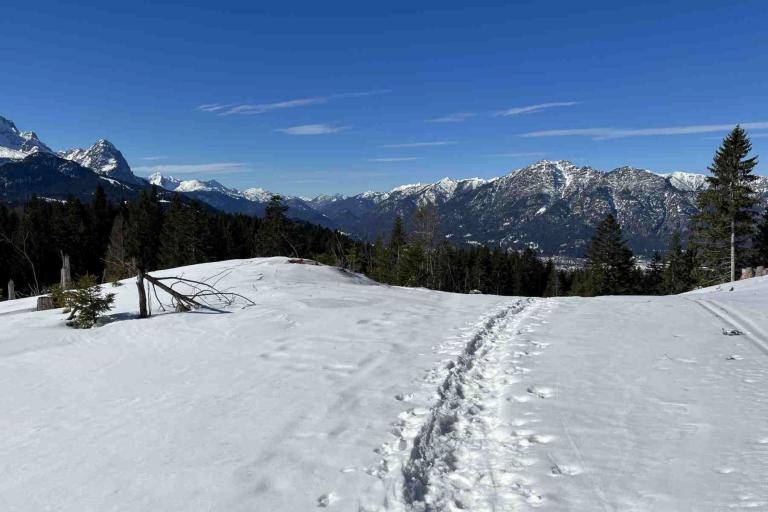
[
  {"x": 103, "y": 158},
  {"x": 551, "y": 205},
  {"x": 16, "y": 145},
  {"x": 251, "y": 201}
]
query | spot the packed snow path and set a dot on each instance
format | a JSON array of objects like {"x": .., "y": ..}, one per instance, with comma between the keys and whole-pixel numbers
[{"x": 338, "y": 393}]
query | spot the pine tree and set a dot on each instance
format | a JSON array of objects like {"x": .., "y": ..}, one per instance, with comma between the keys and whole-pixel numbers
[
  {"x": 553, "y": 281},
  {"x": 117, "y": 262},
  {"x": 272, "y": 237},
  {"x": 397, "y": 239},
  {"x": 725, "y": 222},
  {"x": 677, "y": 277},
  {"x": 184, "y": 235},
  {"x": 653, "y": 275},
  {"x": 145, "y": 222},
  {"x": 761, "y": 241},
  {"x": 610, "y": 262}
]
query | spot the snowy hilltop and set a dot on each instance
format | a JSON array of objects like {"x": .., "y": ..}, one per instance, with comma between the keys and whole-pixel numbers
[{"x": 337, "y": 392}]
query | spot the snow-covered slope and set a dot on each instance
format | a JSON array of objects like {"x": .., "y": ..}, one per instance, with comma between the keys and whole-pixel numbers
[
  {"x": 103, "y": 158},
  {"x": 333, "y": 391},
  {"x": 267, "y": 407}
]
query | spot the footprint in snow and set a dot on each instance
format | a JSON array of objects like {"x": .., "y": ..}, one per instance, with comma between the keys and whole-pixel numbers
[
  {"x": 566, "y": 470},
  {"x": 326, "y": 499},
  {"x": 541, "y": 391}
]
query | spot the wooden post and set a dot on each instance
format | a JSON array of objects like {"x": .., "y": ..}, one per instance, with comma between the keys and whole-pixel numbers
[
  {"x": 142, "y": 294},
  {"x": 11, "y": 290},
  {"x": 66, "y": 272}
]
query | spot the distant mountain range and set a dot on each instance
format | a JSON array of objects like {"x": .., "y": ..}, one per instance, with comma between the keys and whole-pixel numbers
[{"x": 550, "y": 205}]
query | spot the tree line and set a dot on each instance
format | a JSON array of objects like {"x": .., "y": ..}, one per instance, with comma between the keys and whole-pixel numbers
[{"x": 116, "y": 241}]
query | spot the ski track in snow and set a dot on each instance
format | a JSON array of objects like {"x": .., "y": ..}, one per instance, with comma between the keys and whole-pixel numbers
[{"x": 733, "y": 318}]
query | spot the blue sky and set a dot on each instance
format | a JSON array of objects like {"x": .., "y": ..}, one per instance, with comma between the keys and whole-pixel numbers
[{"x": 318, "y": 97}]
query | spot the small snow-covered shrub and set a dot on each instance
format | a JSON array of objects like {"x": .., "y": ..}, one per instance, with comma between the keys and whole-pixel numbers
[{"x": 87, "y": 301}]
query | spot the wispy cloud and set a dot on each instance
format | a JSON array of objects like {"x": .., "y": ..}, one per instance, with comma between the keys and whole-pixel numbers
[
  {"x": 312, "y": 129},
  {"x": 758, "y": 135},
  {"x": 151, "y": 158},
  {"x": 421, "y": 144},
  {"x": 248, "y": 109},
  {"x": 395, "y": 159},
  {"x": 530, "y": 109},
  {"x": 458, "y": 117},
  {"x": 212, "y": 168},
  {"x": 516, "y": 155},
  {"x": 259, "y": 108},
  {"x": 361, "y": 94},
  {"x": 618, "y": 133},
  {"x": 212, "y": 107}
]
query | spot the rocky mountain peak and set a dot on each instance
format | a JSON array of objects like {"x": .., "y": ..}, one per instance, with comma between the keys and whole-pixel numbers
[{"x": 103, "y": 158}]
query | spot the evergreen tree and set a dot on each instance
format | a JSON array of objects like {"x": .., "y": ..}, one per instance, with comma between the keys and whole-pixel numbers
[
  {"x": 761, "y": 241},
  {"x": 145, "y": 222},
  {"x": 610, "y": 262},
  {"x": 653, "y": 275},
  {"x": 677, "y": 275},
  {"x": 272, "y": 237},
  {"x": 725, "y": 222},
  {"x": 184, "y": 235},
  {"x": 117, "y": 263},
  {"x": 397, "y": 240},
  {"x": 553, "y": 281}
]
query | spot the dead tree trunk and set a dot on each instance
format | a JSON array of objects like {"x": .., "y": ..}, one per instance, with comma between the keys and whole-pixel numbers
[
  {"x": 66, "y": 272},
  {"x": 11, "y": 290},
  {"x": 142, "y": 294}
]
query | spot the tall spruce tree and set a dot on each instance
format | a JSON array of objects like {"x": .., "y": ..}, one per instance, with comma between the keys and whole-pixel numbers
[
  {"x": 610, "y": 262},
  {"x": 725, "y": 222},
  {"x": 760, "y": 244}
]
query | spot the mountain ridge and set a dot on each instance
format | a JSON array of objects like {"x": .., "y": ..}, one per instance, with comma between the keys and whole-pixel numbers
[{"x": 551, "y": 205}]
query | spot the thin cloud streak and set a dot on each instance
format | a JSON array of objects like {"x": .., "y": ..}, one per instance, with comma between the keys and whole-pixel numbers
[
  {"x": 212, "y": 168},
  {"x": 261, "y": 108},
  {"x": 530, "y": 109},
  {"x": 250, "y": 109},
  {"x": 458, "y": 117},
  {"x": 312, "y": 129},
  {"x": 618, "y": 133},
  {"x": 421, "y": 144},
  {"x": 395, "y": 159}
]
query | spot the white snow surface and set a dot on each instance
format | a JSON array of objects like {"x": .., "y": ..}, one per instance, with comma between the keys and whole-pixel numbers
[{"x": 336, "y": 392}]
